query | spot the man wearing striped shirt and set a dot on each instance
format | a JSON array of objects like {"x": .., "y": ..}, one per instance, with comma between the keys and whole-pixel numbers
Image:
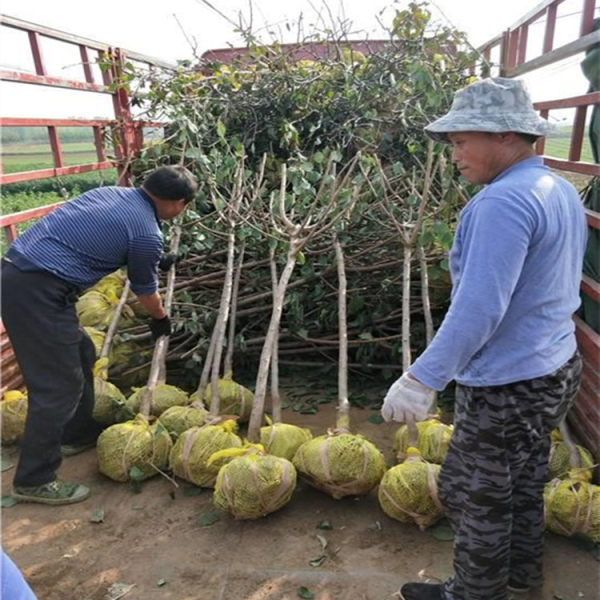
[{"x": 43, "y": 273}]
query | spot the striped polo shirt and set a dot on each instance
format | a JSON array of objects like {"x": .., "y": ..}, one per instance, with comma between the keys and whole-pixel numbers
[{"x": 93, "y": 235}]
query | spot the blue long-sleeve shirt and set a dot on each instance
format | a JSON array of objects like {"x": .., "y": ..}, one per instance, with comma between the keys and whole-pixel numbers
[
  {"x": 93, "y": 235},
  {"x": 516, "y": 267}
]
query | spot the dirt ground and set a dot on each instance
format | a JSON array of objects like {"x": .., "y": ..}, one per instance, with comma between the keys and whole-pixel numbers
[{"x": 161, "y": 541}]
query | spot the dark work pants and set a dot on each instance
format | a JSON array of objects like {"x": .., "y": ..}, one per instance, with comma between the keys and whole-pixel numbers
[
  {"x": 56, "y": 358},
  {"x": 491, "y": 483}
]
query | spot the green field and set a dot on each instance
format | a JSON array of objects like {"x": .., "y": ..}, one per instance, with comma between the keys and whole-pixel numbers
[{"x": 30, "y": 157}]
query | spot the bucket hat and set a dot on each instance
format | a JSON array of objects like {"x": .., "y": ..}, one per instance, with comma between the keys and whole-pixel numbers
[{"x": 492, "y": 105}]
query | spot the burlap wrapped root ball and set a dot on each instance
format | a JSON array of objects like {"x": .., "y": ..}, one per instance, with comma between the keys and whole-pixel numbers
[
  {"x": 283, "y": 439},
  {"x": 234, "y": 399},
  {"x": 433, "y": 441},
  {"x": 408, "y": 492},
  {"x": 13, "y": 413},
  {"x": 572, "y": 506},
  {"x": 109, "y": 402},
  {"x": 340, "y": 464},
  {"x": 135, "y": 443},
  {"x": 191, "y": 453},
  {"x": 559, "y": 463},
  {"x": 178, "y": 419},
  {"x": 164, "y": 396},
  {"x": 254, "y": 484}
]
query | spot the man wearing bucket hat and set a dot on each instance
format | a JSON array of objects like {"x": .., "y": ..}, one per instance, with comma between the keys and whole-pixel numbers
[{"x": 507, "y": 339}]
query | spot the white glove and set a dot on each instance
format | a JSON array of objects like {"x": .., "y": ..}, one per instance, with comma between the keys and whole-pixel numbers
[{"x": 407, "y": 400}]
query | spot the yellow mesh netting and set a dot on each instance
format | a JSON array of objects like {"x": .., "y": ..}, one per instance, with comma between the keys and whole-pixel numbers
[
  {"x": 283, "y": 439},
  {"x": 164, "y": 396},
  {"x": 559, "y": 463},
  {"x": 194, "y": 447},
  {"x": 134, "y": 443},
  {"x": 433, "y": 441},
  {"x": 13, "y": 412},
  {"x": 178, "y": 419},
  {"x": 108, "y": 402},
  {"x": 408, "y": 492},
  {"x": 97, "y": 338},
  {"x": 340, "y": 464},
  {"x": 234, "y": 399},
  {"x": 572, "y": 506},
  {"x": 254, "y": 484}
]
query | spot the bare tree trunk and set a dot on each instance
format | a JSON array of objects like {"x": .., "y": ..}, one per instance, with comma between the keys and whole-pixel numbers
[
  {"x": 406, "y": 356},
  {"x": 228, "y": 364},
  {"x": 221, "y": 324},
  {"x": 343, "y": 417},
  {"x": 275, "y": 396},
  {"x": 425, "y": 296},
  {"x": 112, "y": 328},
  {"x": 267, "y": 351},
  {"x": 157, "y": 369}
]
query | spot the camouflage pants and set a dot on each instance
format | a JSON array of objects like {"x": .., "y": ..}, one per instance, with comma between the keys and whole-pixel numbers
[{"x": 492, "y": 481}]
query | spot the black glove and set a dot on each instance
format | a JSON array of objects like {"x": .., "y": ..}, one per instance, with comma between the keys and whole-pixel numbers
[
  {"x": 160, "y": 327},
  {"x": 166, "y": 260}
]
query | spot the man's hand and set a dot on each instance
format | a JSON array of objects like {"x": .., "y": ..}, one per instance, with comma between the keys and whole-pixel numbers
[
  {"x": 166, "y": 260},
  {"x": 407, "y": 399},
  {"x": 160, "y": 327}
]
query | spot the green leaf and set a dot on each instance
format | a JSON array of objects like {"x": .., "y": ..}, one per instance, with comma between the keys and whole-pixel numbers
[
  {"x": 322, "y": 540},
  {"x": 304, "y": 592},
  {"x": 376, "y": 419},
  {"x": 309, "y": 410},
  {"x": 97, "y": 516},
  {"x": 206, "y": 518},
  {"x": 221, "y": 129},
  {"x": 136, "y": 474},
  {"x": 193, "y": 490},
  {"x": 366, "y": 336},
  {"x": 442, "y": 533},
  {"x": 161, "y": 582},
  {"x": 317, "y": 561},
  {"x": 325, "y": 525},
  {"x": 7, "y": 501}
]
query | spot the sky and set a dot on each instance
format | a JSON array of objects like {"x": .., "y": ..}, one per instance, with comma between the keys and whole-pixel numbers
[{"x": 178, "y": 29}]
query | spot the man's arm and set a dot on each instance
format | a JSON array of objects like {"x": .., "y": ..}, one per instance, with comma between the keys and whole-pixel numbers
[
  {"x": 153, "y": 305},
  {"x": 493, "y": 251}
]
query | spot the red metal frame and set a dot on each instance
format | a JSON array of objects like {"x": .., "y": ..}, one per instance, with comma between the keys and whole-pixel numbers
[{"x": 128, "y": 136}]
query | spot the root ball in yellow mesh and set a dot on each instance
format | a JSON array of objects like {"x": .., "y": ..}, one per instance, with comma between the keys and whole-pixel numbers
[
  {"x": 178, "y": 419},
  {"x": 254, "y": 484},
  {"x": 340, "y": 464},
  {"x": 191, "y": 453},
  {"x": 164, "y": 396},
  {"x": 234, "y": 399},
  {"x": 560, "y": 461},
  {"x": 13, "y": 413},
  {"x": 109, "y": 402},
  {"x": 433, "y": 441},
  {"x": 572, "y": 506},
  {"x": 112, "y": 284},
  {"x": 283, "y": 439},
  {"x": 97, "y": 338},
  {"x": 135, "y": 443},
  {"x": 408, "y": 492}
]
